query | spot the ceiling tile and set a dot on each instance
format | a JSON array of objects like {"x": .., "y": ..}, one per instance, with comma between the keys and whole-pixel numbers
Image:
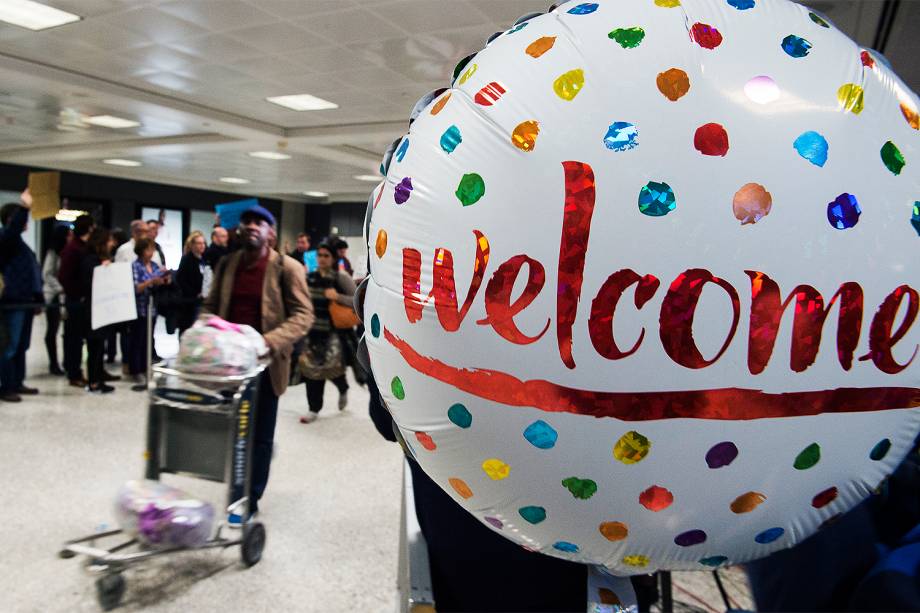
[
  {"x": 350, "y": 26},
  {"x": 105, "y": 36},
  {"x": 171, "y": 81},
  {"x": 278, "y": 38},
  {"x": 270, "y": 66},
  {"x": 158, "y": 58},
  {"x": 86, "y": 8},
  {"x": 155, "y": 25},
  {"x": 218, "y": 15},
  {"x": 291, "y": 9},
  {"x": 371, "y": 78},
  {"x": 507, "y": 12},
  {"x": 215, "y": 48},
  {"x": 327, "y": 59},
  {"x": 424, "y": 15}
]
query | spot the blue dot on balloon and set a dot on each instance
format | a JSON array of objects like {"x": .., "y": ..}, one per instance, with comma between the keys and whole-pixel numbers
[
  {"x": 375, "y": 325},
  {"x": 812, "y": 146},
  {"x": 565, "y": 546},
  {"x": 621, "y": 136},
  {"x": 450, "y": 139},
  {"x": 403, "y": 148},
  {"x": 583, "y": 9},
  {"x": 844, "y": 211},
  {"x": 769, "y": 535},
  {"x": 541, "y": 435},
  {"x": 713, "y": 561},
  {"x": 741, "y": 5},
  {"x": 795, "y": 46}
]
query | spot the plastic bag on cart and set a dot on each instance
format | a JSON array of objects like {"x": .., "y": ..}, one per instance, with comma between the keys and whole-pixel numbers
[
  {"x": 217, "y": 347},
  {"x": 162, "y": 516}
]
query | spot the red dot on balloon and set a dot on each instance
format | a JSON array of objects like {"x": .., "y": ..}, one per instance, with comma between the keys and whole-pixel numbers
[
  {"x": 824, "y": 498},
  {"x": 426, "y": 441},
  {"x": 705, "y": 35},
  {"x": 711, "y": 139},
  {"x": 866, "y": 59},
  {"x": 656, "y": 498}
]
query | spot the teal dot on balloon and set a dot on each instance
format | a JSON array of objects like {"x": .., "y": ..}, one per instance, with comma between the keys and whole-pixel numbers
[
  {"x": 565, "y": 546},
  {"x": 880, "y": 450},
  {"x": 714, "y": 561},
  {"x": 533, "y": 514},
  {"x": 460, "y": 416},
  {"x": 541, "y": 435},
  {"x": 375, "y": 326}
]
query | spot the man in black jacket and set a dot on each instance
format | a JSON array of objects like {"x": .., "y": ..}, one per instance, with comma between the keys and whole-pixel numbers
[{"x": 218, "y": 247}]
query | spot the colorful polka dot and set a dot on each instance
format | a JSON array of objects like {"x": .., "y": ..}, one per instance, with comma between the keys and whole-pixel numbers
[
  {"x": 471, "y": 189},
  {"x": 565, "y": 547},
  {"x": 375, "y": 326},
  {"x": 396, "y": 386},
  {"x": 850, "y": 97},
  {"x": 769, "y": 535},
  {"x": 866, "y": 59},
  {"x": 451, "y": 139},
  {"x": 440, "y": 104},
  {"x": 518, "y": 28},
  {"x": 614, "y": 530},
  {"x": 741, "y": 5},
  {"x": 880, "y": 450},
  {"x": 490, "y": 94},
  {"x": 656, "y": 199},
  {"x": 541, "y": 435},
  {"x": 892, "y": 158},
  {"x": 639, "y": 561},
  {"x": 460, "y": 486},
  {"x": 812, "y": 146},
  {"x": 673, "y": 83},
  {"x": 721, "y": 454},
  {"x": 583, "y": 9},
  {"x": 468, "y": 73},
  {"x": 751, "y": 203},
  {"x": 462, "y": 64},
  {"x": 656, "y": 498},
  {"x": 824, "y": 498},
  {"x": 524, "y": 136},
  {"x": 426, "y": 441},
  {"x": 460, "y": 415},
  {"x": 403, "y": 190},
  {"x": 911, "y": 115},
  {"x": 582, "y": 489},
  {"x": 380, "y": 246},
  {"x": 915, "y": 217},
  {"x": 690, "y": 538},
  {"x": 705, "y": 35},
  {"x": 762, "y": 90},
  {"x": 540, "y": 46},
  {"x": 403, "y": 148},
  {"x": 495, "y": 469},
  {"x": 494, "y": 522},
  {"x": 667, "y": 4},
  {"x": 795, "y": 46},
  {"x": 532, "y": 515},
  {"x": 631, "y": 448},
  {"x": 747, "y": 502},
  {"x": 628, "y": 38},
  {"x": 609, "y": 597},
  {"x": 808, "y": 457},
  {"x": 818, "y": 20},
  {"x": 569, "y": 84},
  {"x": 711, "y": 139},
  {"x": 621, "y": 136},
  {"x": 844, "y": 211},
  {"x": 713, "y": 561}
]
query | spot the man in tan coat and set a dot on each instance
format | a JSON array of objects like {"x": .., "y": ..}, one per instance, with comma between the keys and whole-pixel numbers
[{"x": 259, "y": 287}]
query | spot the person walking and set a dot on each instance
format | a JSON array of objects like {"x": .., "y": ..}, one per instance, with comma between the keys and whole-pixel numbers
[
  {"x": 147, "y": 276},
  {"x": 261, "y": 288},
  {"x": 69, "y": 276},
  {"x": 54, "y": 292},
  {"x": 22, "y": 297},
  {"x": 193, "y": 279},
  {"x": 325, "y": 354},
  {"x": 98, "y": 253}
]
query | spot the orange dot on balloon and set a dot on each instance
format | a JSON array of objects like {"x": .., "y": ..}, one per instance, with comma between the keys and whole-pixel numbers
[
  {"x": 439, "y": 105},
  {"x": 656, "y": 498},
  {"x": 609, "y": 597},
  {"x": 426, "y": 441},
  {"x": 540, "y": 46},
  {"x": 911, "y": 115},
  {"x": 381, "y": 246},
  {"x": 751, "y": 203},
  {"x": 673, "y": 83},
  {"x": 460, "y": 487},
  {"x": 745, "y": 503},
  {"x": 614, "y": 530}
]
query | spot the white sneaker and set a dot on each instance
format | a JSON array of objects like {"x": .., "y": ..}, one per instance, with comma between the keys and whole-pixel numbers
[
  {"x": 309, "y": 418},
  {"x": 343, "y": 400}
]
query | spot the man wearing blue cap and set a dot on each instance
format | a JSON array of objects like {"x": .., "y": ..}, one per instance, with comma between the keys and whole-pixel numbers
[{"x": 261, "y": 288}]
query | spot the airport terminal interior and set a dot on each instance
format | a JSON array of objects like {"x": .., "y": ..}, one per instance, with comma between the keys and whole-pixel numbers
[{"x": 177, "y": 123}]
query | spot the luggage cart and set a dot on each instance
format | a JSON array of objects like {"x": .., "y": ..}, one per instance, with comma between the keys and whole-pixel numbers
[{"x": 198, "y": 426}]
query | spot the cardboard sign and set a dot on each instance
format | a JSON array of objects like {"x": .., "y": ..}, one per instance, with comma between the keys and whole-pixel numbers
[
  {"x": 230, "y": 212},
  {"x": 45, "y": 188},
  {"x": 114, "y": 300}
]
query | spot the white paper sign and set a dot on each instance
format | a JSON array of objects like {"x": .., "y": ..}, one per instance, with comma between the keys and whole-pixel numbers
[{"x": 113, "y": 295}]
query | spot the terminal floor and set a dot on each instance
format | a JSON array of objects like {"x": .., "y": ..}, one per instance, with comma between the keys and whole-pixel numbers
[{"x": 331, "y": 509}]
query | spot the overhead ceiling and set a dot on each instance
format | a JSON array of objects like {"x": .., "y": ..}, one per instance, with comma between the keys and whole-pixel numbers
[{"x": 195, "y": 75}]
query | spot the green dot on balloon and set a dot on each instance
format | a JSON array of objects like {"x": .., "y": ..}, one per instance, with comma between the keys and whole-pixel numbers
[
  {"x": 375, "y": 325},
  {"x": 471, "y": 189},
  {"x": 397, "y": 388},
  {"x": 880, "y": 450},
  {"x": 460, "y": 415},
  {"x": 808, "y": 457}
]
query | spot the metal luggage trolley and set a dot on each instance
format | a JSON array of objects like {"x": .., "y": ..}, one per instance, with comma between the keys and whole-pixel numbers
[{"x": 198, "y": 426}]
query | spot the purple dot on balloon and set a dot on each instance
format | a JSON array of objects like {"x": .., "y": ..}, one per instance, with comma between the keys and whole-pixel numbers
[
  {"x": 690, "y": 537},
  {"x": 721, "y": 454},
  {"x": 403, "y": 190},
  {"x": 495, "y": 522},
  {"x": 844, "y": 211}
]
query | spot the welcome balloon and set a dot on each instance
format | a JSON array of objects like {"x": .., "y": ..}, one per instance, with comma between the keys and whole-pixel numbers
[{"x": 644, "y": 281}]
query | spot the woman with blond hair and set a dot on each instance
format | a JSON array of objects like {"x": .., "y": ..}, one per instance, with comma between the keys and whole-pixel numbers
[{"x": 193, "y": 279}]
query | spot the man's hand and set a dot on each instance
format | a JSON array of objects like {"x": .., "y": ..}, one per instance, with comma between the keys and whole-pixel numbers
[
  {"x": 26, "y": 198},
  {"x": 330, "y": 293}
]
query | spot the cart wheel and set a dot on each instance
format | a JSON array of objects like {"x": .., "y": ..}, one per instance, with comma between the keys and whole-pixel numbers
[
  {"x": 66, "y": 554},
  {"x": 110, "y": 589},
  {"x": 253, "y": 543}
]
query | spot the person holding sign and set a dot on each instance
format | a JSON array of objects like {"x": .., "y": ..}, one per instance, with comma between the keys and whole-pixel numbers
[
  {"x": 22, "y": 296},
  {"x": 147, "y": 275},
  {"x": 98, "y": 253}
]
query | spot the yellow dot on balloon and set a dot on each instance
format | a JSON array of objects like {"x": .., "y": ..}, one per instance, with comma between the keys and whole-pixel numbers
[
  {"x": 569, "y": 84},
  {"x": 460, "y": 487},
  {"x": 381, "y": 245},
  {"x": 850, "y": 97},
  {"x": 469, "y": 73},
  {"x": 525, "y": 134},
  {"x": 636, "y": 560},
  {"x": 667, "y": 4},
  {"x": 496, "y": 469},
  {"x": 631, "y": 448}
]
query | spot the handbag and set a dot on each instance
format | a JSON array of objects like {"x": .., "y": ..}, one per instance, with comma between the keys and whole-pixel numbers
[{"x": 342, "y": 317}]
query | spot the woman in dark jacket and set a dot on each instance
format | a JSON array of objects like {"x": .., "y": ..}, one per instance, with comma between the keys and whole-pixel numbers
[
  {"x": 325, "y": 352},
  {"x": 193, "y": 279},
  {"x": 98, "y": 253}
]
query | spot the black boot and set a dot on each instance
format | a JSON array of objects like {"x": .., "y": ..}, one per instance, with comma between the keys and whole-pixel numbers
[{"x": 54, "y": 367}]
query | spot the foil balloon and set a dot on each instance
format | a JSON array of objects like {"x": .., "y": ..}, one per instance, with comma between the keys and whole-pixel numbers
[{"x": 658, "y": 309}]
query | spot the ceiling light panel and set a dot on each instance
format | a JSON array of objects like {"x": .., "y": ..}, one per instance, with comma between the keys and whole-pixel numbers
[
  {"x": 110, "y": 121},
  {"x": 369, "y": 178},
  {"x": 316, "y": 194},
  {"x": 234, "y": 180},
  {"x": 269, "y": 155},
  {"x": 120, "y": 162},
  {"x": 302, "y": 102},
  {"x": 33, "y": 15}
]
